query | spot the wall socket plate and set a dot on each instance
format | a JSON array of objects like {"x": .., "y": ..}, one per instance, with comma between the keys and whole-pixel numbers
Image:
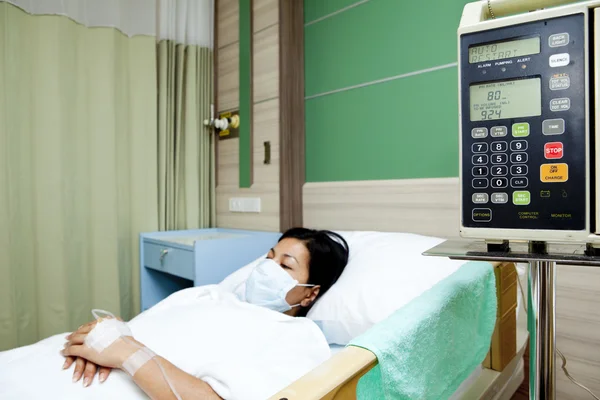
[{"x": 244, "y": 204}]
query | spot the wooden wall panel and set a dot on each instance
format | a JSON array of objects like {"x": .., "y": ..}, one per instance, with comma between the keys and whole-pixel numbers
[
  {"x": 266, "y": 64},
  {"x": 424, "y": 206},
  {"x": 266, "y": 14},
  {"x": 266, "y": 129},
  {"x": 227, "y": 26},
  {"x": 228, "y": 84},
  {"x": 578, "y": 330},
  {"x": 228, "y": 162}
]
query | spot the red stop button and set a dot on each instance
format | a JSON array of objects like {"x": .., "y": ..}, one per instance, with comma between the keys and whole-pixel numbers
[{"x": 553, "y": 150}]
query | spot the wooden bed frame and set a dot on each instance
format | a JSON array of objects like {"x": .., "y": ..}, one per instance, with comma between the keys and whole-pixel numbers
[{"x": 335, "y": 205}]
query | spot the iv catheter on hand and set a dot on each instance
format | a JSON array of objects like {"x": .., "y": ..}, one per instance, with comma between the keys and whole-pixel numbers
[{"x": 109, "y": 330}]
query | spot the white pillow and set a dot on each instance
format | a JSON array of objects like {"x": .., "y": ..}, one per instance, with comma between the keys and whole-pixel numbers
[{"x": 385, "y": 271}]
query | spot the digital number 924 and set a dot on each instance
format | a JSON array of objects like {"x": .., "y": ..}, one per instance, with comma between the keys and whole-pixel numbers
[{"x": 491, "y": 114}]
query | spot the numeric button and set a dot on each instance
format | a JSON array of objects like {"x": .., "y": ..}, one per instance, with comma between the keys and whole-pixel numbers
[
  {"x": 480, "y": 183},
  {"x": 517, "y": 158},
  {"x": 518, "y": 170},
  {"x": 499, "y": 170},
  {"x": 479, "y": 148},
  {"x": 499, "y": 147},
  {"x": 499, "y": 183},
  {"x": 499, "y": 158},
  {"x": 480, "y": 171},
  {"x": 479, "y": 159},
  {"x": 518, "y": 145}
]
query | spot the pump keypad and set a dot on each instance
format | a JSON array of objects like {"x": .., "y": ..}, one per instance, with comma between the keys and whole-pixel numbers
[{"x": 509, "y": 166}]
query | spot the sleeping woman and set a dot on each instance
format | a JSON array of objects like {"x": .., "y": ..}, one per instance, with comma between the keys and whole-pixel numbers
[{"x": 218, "y": 341}]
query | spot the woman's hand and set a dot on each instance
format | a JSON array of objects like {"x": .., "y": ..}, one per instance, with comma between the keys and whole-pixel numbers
[
  {"x": 87, "y": 360},
  {"x": 86, "y": 369}
]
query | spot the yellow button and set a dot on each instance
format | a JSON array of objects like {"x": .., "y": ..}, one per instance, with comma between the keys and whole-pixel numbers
[{"x": 554, "y": 172}]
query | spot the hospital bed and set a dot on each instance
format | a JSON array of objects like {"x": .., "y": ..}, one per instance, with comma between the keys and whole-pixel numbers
[{"x": 399, "y": 254}]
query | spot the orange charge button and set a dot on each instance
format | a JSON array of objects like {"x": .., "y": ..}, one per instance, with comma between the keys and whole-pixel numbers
[{"x": 554, "y": 173}]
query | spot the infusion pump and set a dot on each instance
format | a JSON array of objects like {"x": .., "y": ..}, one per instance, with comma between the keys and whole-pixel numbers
[{"x": 529, "y": 141}]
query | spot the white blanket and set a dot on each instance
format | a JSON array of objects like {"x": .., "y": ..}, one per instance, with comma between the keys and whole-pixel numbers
[{"x": 242, "y": 351}]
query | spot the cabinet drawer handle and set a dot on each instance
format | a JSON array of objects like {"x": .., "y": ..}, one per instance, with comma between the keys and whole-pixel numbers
[{"x": 163, "y": 254}]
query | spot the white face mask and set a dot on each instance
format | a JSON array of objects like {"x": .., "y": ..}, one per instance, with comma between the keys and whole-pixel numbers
[{"x": 268, "y": 285}]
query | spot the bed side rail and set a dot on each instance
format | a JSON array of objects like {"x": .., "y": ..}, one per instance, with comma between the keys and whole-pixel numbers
[{"x": 335, "y": 379}]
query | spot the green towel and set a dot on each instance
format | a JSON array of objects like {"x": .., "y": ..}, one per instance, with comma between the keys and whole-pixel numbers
[{"x": 426, "y": 349}]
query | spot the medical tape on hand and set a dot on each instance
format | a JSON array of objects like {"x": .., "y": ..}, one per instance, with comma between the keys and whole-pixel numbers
[
  {"x": 137, "y": 360},
  {"x": 105, "y": 333}
]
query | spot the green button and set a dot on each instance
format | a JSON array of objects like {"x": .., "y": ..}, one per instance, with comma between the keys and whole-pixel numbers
[
  {"x": 520, "y": 130},
  {"x": 522, "y": 198}
]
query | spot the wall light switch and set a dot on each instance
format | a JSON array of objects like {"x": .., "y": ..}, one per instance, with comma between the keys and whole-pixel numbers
[
  {"x": 252, "y": 204},
  {"x": 245, "y": 204}
]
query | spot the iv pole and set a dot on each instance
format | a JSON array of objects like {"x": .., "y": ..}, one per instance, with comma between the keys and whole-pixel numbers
[{"x": 542, "y": 336}]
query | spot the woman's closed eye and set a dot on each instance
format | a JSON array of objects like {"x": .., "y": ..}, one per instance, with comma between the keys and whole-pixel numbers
[{"x": 270, "y": 257}]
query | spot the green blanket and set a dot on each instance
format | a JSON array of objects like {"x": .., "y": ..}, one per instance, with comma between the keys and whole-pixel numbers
[{"x": 426, "y": 349}]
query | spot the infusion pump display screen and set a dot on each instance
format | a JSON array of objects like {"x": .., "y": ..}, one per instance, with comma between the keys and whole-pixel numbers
[
  {"x": 506, "y": 99},
  {"x": 502, "y": 50}
]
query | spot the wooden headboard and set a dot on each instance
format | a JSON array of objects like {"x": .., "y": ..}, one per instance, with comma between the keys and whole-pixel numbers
[{"x": 423, "y": 206}]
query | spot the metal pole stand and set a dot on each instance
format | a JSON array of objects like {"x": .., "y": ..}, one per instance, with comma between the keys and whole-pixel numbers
[{"x": 542, "y": 330}]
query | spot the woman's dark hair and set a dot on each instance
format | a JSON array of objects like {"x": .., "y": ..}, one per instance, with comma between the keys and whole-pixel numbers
[{"x": 328, "y": 257}]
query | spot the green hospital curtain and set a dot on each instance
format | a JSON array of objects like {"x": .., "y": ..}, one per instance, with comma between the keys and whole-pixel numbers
[
  {"x": 185, "y": 145},
  {"x": 78, "y": 170}
]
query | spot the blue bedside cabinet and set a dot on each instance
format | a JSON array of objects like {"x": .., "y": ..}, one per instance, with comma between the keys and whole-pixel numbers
[{"x": 175, "y": 260}]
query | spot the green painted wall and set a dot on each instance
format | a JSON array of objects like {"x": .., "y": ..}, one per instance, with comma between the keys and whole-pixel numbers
[
  {"x": 401, "y": 128},
  {"x": 245, "y": 35}
]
